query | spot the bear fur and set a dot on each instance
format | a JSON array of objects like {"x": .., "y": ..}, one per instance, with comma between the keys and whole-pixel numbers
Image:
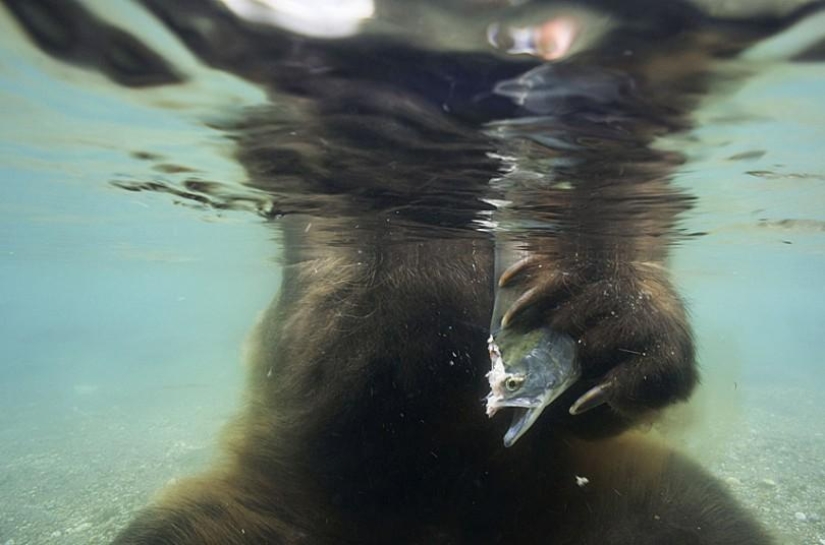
[{"x": 364, "y": 424}]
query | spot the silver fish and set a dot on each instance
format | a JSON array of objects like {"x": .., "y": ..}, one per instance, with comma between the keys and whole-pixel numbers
[{"x": 530, "y": 371}]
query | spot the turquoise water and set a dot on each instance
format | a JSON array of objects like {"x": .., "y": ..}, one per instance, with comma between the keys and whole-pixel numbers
[
  {"x": 756, "y": 272},
  {"x": 125, "y": 313}
]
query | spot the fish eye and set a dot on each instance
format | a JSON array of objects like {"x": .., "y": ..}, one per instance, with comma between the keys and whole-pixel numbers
[{"x": 513, "y": 383}]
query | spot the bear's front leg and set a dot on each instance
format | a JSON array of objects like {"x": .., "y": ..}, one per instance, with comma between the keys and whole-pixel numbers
[{"x": 633, "y": 340}]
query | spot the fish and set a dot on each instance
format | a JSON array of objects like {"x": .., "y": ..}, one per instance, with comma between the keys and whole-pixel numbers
[{"x": 529, "y": 372}]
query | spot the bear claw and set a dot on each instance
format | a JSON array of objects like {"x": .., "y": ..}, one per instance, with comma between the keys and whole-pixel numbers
[{"x": 591, "y": 399}]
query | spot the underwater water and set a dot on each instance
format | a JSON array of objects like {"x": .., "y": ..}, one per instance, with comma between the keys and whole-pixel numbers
[{"x": 137, "y": 252}]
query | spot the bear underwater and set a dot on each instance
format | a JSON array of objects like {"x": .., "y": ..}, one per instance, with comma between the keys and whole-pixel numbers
[{"x": 421, "y": 179}]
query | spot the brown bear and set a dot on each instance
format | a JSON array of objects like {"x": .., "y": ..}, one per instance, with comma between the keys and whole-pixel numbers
[
  {"x": 399, "y": 164},
  {"x": 364, "y": 421}
]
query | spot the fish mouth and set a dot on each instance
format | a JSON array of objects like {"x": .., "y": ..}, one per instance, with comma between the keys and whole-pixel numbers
[
  {"x": 526, "y": 411},
  {"x": 523, "y": 419}
]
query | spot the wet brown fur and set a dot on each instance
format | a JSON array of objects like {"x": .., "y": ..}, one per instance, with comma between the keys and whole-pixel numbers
[
  {"x": 363, "y": 421},
  {"x": 358, "y": 429}
]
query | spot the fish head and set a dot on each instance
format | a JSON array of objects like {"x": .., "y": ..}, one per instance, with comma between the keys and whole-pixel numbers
[{"x": 529, "y": 379}]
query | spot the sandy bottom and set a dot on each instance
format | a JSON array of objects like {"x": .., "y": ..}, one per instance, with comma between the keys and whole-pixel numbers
[
  {"x": 76, "y": 473},
  {"x": 774, "y": 463}
]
